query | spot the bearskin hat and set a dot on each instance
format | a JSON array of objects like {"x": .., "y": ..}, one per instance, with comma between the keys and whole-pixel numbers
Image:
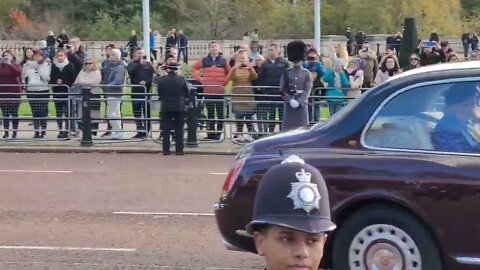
[{"x": 297, "y": 51}]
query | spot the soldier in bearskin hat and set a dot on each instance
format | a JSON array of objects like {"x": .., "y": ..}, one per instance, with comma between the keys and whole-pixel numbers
[
  {"x": 295, "y": 86},
  {"x": 291, "y": 216}
]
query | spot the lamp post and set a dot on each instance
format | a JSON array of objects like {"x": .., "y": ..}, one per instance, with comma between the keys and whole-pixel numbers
[
  {"x": 317, "y": 18},
  {"x": 146, "y": 27}
]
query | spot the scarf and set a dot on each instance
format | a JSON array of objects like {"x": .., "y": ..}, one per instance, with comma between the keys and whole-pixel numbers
[{"x": 61, "y": 65}]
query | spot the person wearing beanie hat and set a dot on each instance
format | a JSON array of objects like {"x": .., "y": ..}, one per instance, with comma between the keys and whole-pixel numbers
[
  {"x": 291, "y": 216},
  {"x": 295, "y": 86},
  {"x": 355, "y": 77}
]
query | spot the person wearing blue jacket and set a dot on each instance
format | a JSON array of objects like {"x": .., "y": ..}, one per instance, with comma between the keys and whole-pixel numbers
[
  {"x": 153, "y": 46},
  {"x": 315, "y": 67},
  {"x": 182, "y": 46},
  {"x": 337, "y": 85}
]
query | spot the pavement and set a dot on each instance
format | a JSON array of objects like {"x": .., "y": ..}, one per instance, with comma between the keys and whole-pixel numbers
[
  {"x": 113, "y": 211},
  {"x": 25, "y": 144}
]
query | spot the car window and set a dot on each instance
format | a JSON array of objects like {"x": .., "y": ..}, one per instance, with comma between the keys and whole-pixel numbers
[{"x": 441, "y": 117}]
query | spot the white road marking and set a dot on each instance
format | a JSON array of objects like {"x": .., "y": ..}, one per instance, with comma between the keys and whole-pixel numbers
[
  {"x": 69, "y": 248},
  {"x": 110, "y": 265},
  {"x": 32, "y": 171},
  {"x": 163, "y": 214},
  {"x": 218, "y": 173}
]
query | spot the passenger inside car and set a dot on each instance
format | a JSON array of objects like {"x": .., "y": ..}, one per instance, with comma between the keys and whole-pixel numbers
[{"x": 454, "y": 132}]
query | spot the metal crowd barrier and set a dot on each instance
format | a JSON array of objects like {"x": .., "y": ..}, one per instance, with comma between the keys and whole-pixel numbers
[
  {"x": 240, "y": 118},
  {"x": 28, "y": 115},
  {"x": 106, "y": 122}
]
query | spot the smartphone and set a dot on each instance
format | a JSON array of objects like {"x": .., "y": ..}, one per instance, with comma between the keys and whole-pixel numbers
[{"x": 428, "y": 44}]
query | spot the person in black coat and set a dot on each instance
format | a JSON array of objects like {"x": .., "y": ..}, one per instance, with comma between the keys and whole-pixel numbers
[
  {"x": 132, "y": 43},
  {"x": 431, "y": 53},
  {"x": 466, "y": 44},
  {"x": 75, "y": 54},
  {"x": 141, "y": 73},
  {"x": 62, "y": 39},
  {"x": 173, "y": 92},
  {"x": 171, "y": 42},
  {"x": 63, "y": 73}
]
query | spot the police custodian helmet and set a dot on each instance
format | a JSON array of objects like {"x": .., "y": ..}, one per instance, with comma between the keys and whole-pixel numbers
[{"x": 292, "y": 194}]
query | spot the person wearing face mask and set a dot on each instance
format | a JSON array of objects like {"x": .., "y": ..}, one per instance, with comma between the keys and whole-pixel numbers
[
  {"x": 316, "y": 69},
  {"x": 388, "y": 69},
  {"x": 63, "y": 74},
  {"x": 36, "y": 73},
  {"x": 355, "y": 77},
  {"x": 9, "y": 95},
  {"x": 173, "y": 92}
]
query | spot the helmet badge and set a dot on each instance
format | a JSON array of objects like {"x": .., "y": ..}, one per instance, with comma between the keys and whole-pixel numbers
[{"x": 304, "y": 194}]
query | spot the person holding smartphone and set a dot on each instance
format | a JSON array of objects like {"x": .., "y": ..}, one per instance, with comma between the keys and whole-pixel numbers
[
  {"x": 244, "y": 107},
  {"x": 141, "y": 73},
  {"x": 431, "y": 53}
]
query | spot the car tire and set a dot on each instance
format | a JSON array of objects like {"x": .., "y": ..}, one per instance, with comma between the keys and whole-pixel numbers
[{"x": 382, "y": 227}]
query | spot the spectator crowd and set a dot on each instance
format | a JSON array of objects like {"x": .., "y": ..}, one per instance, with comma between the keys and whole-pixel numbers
[{"x": 60, "y": 66}]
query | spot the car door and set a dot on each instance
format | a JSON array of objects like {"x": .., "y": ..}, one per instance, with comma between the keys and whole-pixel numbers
[{"x": 426, "y": 136}]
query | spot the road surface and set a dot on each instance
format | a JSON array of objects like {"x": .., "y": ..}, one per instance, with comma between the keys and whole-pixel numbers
[{"x": 113, "y": 211}]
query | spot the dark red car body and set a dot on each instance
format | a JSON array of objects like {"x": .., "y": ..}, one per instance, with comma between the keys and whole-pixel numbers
[{"x": 442, "y": 190}]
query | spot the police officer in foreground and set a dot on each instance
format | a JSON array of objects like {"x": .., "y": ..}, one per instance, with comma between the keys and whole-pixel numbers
[
  {"x": 173, "y": 94},
  {"x": 291, "y": 216}
]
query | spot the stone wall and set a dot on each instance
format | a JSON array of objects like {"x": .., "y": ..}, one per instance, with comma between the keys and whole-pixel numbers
[{"x": 198, "y": 48}]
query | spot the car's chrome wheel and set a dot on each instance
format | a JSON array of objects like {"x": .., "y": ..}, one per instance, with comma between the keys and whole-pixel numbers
[
  {"x": 384, "y": 236},
  {"x": 386, "y": 247}
]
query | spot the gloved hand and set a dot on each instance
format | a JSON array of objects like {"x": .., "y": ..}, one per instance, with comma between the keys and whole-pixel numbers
[{"x": 293, "y": 103}]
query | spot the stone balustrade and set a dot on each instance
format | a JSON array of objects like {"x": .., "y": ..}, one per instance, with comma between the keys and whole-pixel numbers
[{"x": 199, "y": 48}]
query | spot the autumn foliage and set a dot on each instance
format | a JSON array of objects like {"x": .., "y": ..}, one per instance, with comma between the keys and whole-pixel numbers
[{"x": 20, "y": 18}]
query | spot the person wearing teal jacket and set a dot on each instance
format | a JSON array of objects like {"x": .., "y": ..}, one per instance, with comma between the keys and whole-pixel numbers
[{"x": 337, "y": 83}]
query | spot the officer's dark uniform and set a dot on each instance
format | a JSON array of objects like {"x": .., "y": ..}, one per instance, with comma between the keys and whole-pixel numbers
[
  {"x": 173, "y": 94},
  {"x": 293, "y": 195}
]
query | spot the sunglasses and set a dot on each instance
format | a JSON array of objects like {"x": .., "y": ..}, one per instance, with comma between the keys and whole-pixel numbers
[{"x": 416, "y": 59}]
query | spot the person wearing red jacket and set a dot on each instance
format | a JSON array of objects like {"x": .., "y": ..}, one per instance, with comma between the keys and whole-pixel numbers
[
  {"x": 10, "y": 73},
  {"x": 212, "y": 71}
]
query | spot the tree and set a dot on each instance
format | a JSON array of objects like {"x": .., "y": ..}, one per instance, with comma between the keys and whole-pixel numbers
[{"x": 216, "y": 15}]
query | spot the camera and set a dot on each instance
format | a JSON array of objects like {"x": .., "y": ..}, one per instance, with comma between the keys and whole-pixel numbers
[
  {"x": 310, "y": 58},
  {"x": 144, "y": 57},
  {"x": 243, "y": 65}
]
